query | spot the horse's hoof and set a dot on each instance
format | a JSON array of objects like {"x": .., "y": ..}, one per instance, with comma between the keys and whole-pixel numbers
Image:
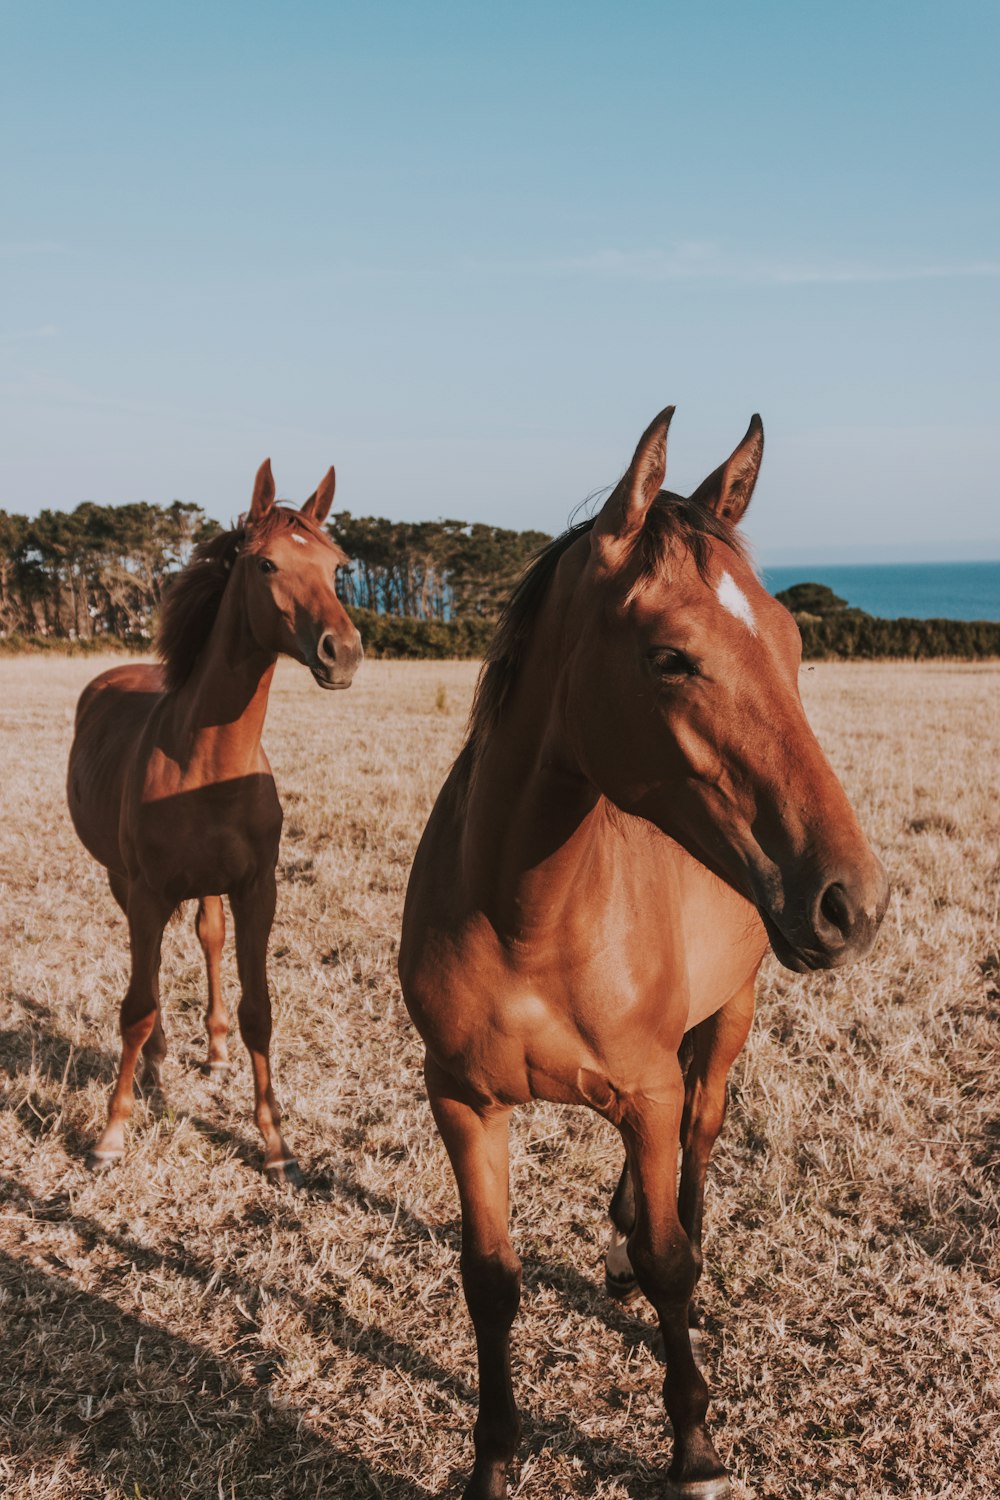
[
  {"x": 217, "y": 1069},
  {"x": 621, "y": 1289},
  {"x": 102, "y": 1161},
  {"x": 287, "y": 1172},
  {"x": 717, "y": 1488},
  {"x": 488, "y": 1482}
]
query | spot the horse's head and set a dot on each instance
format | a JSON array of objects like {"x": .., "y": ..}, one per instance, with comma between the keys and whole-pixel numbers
[
  {"x": 289, "y": 566},
  {"x": 682, "y": 704}
]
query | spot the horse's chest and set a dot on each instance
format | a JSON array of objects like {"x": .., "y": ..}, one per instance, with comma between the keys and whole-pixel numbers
[
  {"x": 520, "y": 1027},
  {"x": 209, "y": 841}
]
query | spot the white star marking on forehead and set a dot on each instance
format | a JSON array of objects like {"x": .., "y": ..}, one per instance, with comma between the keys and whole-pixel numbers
[
  {"x": 732, "y": 597},
  {"x": 300, "y": 539}
]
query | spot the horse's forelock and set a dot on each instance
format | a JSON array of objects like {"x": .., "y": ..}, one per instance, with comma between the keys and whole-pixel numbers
[
  {"x": 281, "y": 518},
  {"x": 673, "y": 524}
]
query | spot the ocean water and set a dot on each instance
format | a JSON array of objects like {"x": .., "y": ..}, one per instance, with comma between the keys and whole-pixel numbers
[{"x": 914, "y": 591}]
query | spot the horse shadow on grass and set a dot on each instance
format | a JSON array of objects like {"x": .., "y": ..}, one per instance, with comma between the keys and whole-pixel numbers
[
  {"x": 60, "y": 1058},
  {"x": 43, "y": 1046},
  {"x": 44, "y": 1049},
  {"x": 329, "y": 1321},
  {"x": 102, "y": 1393},
  {"x": 327, "y": 1318}
]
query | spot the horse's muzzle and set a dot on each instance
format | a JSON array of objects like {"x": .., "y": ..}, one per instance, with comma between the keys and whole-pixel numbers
[
  {"x": 336, "y": 660},
  {"x": 839, "y": 924}
]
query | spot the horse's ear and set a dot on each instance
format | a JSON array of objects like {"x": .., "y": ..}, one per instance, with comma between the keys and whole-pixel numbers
[
  {"x": 624, "y": 512},
  {"x": 263, "y": 493},
  {"x": 728, "y": 490},
  {"x": 317, "y": 507}
]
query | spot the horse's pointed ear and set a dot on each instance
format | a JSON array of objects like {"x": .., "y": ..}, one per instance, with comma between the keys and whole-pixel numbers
[
  {"x": 624, "y": 512},
  {"x": 317, "y": 507},
  {"x": 728, "y": 490},
  {"x": 263, "y": 493}
]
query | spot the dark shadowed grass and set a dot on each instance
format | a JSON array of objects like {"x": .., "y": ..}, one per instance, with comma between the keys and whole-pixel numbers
[{"x": 180, "y": 1329}]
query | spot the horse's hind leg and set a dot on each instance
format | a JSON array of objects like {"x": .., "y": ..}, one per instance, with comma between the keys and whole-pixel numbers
[
  {"x": 619, "y": 1278},
  {"x": 155, "y": 1048},
  {"x": 666, "y": 1268},
  {"x": 147, "y": 917},
  {"x": 491, "y": 1272},
  {"x": 210, "y": 925},
  {"x": 717, "y": 1043}
]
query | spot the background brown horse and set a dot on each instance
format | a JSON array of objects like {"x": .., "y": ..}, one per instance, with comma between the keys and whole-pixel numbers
[
  {"x": 639, "y": 808},
  {"x": 169, "y": 786}
]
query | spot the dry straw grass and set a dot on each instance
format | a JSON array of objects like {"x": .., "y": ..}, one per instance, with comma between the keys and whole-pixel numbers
[{"x": 181, "y": 1329}]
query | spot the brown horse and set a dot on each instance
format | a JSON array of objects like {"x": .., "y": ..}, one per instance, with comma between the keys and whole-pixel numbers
[
  {"x": 639, "y": 808},
  {"x": 170, "y": 788}
]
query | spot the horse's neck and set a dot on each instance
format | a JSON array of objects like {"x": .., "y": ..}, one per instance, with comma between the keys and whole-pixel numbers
[
  {"x": 537, "y": 832},
  {"x": 219, "y": 712}
]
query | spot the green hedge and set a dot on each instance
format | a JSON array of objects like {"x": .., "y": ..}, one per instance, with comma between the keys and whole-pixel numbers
[
  {"x": 847, "y": 635},
  {"x": 398, "y": 636},
  {"x": 851, "y": 635}
]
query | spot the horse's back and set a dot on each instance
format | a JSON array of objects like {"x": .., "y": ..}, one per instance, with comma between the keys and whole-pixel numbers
[
  {"x": 110, "y": 716},
  {"x": 133, "y": 683}
]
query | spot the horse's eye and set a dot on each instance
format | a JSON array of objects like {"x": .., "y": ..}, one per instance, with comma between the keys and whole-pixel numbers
[
  {"x": 668, "y": 662},
  {"x": 266, "y": 565}
]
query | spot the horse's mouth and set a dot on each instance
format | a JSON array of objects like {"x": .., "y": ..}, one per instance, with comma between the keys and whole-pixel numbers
[
  {"x": 799, "y": 960},
  {"x": 325, "y": 682}
]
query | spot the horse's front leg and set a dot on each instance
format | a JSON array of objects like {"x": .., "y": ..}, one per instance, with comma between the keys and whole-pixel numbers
[
  {"x": 717, "y": 1042},
  {"x": 253, "y": 913},
  {"x": 713, "y": 1046},
  {"x": 148, "y": 915},
  {"x": 666, "y": 1267},
  {"x": 154, "y": 1048},
  {"x": 476, "y": 1143}
]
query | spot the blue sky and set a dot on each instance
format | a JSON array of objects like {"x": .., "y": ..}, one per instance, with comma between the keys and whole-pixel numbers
[{"x": 465, "y": 253}]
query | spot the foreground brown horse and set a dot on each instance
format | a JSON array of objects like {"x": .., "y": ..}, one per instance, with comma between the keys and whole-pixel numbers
[
  {"x": 170, "y": 788},
  {"x": 640, "y": 807}
]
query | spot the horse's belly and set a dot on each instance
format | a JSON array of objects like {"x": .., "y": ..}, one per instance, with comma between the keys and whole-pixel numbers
[{"x": 94, "y": 792}]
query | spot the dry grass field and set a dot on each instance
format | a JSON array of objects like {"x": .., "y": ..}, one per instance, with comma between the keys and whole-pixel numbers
[{"x": 180, "y": 1329}]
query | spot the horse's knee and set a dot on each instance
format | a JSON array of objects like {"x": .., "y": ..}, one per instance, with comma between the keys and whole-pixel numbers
[
  {"x": 137, "y": 1020},
  {"x": 255, "y": 1024},
  {"x": 666, "y": 1274},
  {"x": 492, "y": 1286}
]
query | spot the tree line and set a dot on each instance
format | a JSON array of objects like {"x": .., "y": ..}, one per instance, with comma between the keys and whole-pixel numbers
[
  {"x": 832, "y": 630},
  {"x": 430, "y": 570},
  {"x": 98, "y": 572},
  {"x": 95, "y": 576}
]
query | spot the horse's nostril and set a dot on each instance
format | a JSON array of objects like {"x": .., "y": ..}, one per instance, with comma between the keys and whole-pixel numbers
[
  {"x": 835, "y": 909},
  {"x": 327, "y": 647}
]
